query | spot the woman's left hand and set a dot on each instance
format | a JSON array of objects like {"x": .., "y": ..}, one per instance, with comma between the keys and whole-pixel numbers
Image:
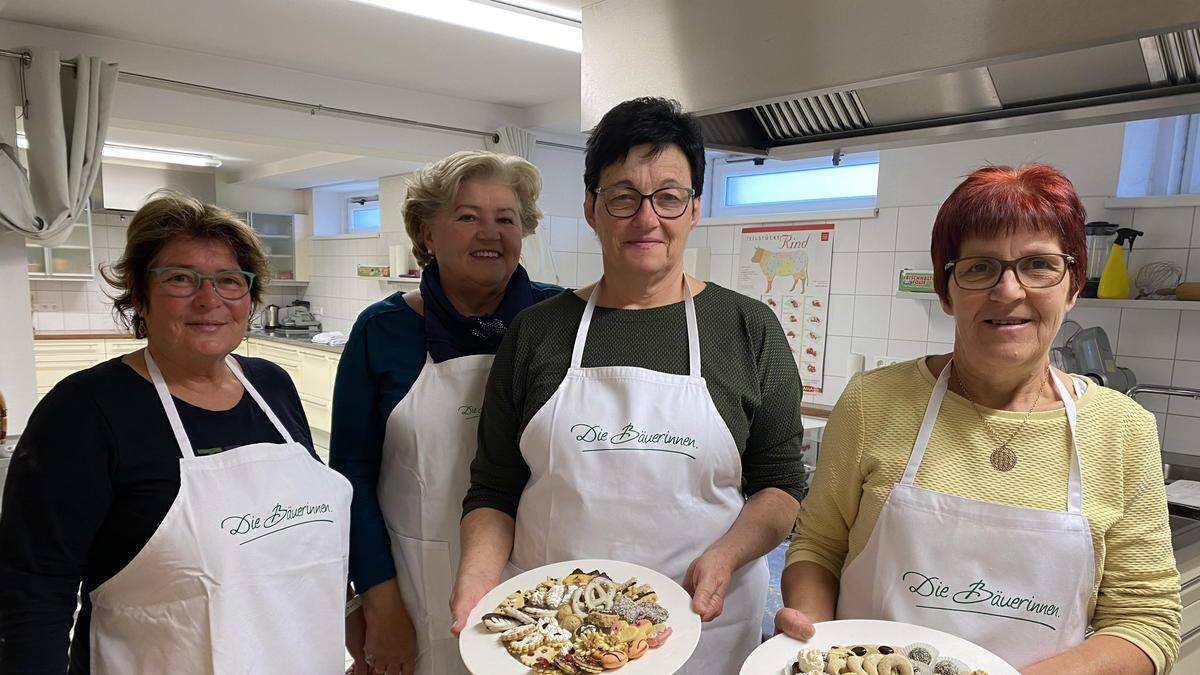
[{"x": 707, "y": 579}]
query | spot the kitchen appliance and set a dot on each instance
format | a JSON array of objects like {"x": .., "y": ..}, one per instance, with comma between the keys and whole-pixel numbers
[
  {"x": 789, "y": 79},
  {"x": 271, "y": 317},
  {"x": 300, "y": 316},
  {"x": 1089, "y": 353},
  {"x": 1099, "y": 239}
]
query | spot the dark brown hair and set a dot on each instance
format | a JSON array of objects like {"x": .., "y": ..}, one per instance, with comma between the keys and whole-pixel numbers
[{"x": 170, "y": 216}]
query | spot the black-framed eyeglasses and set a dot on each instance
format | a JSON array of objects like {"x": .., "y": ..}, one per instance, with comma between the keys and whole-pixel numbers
[
  {"x": 183, "y": 282},
  {"x": 623, "y": 202},
  {"x": 1040, "y": 270}
]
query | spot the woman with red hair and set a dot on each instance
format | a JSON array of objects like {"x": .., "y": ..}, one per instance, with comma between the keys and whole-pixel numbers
[{"x": 983, "y": 492}]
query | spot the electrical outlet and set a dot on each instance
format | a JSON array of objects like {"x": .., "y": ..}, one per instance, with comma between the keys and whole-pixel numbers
[
  {"x": 881, "y": 361},
  {"x": 46, "y": 307}
]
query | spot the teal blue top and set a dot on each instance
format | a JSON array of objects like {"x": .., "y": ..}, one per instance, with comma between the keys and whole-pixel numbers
[{"x": 379, "y": 365}]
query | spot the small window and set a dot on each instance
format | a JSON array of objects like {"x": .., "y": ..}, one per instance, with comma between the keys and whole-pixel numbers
[
  {"x": 362, "y": 214},
  {"x": 1161, "y": 157},
  {"x": 744, "y": 188}
]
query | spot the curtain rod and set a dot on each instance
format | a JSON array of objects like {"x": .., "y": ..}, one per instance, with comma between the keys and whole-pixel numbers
[{"x": 311, "y": 108}]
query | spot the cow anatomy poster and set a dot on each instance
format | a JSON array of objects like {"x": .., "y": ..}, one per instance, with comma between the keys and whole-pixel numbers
[{"x": 788, "y": 268}]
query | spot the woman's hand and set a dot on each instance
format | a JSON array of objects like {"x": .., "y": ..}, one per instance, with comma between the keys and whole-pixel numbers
[
  {"x": 706, "y": 580},
  {"x": 793, "y": 623},
  {"x": 468, "y": 589},
  {"x": 356, "y": 635},
  {"x": 390, "y": 641}
]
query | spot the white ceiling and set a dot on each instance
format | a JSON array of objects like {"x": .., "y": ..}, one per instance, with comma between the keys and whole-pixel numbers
[{"x": 338, "y": 38}]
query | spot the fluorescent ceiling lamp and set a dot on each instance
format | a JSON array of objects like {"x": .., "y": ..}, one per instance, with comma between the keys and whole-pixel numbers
[
  {"x": 147, "y": 154},
  {"x": 508, "y": 21}
]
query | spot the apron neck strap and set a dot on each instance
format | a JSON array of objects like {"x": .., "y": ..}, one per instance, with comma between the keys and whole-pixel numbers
[
  {"x": 689, "y": 310},
  {"x": 168, "y": 404},
  {"x": 1074, "y": 481}
]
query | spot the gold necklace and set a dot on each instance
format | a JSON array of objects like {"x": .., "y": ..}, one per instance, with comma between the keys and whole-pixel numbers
[{"x": 1002, "y": 458}]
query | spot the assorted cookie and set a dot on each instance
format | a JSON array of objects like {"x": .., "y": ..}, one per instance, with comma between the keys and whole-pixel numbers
[
  {"x": 584, "y": 622},
  {"x": 915, "y": 659}
]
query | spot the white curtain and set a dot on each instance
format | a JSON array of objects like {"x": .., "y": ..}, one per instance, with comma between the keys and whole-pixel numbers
[
  {"x": 514, "y": 141},
  {"x": 66, "y": 121}
]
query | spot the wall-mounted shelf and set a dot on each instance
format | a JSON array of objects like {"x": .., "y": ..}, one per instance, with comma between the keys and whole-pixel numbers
[
  {"x": 1177, "y": 305},
  {"x": 281, "y": 283},
  {"x": 412, "y": 280}
]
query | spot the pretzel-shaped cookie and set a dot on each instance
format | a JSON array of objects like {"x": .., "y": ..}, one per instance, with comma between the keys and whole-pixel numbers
[{"x": 599, "y": 593}]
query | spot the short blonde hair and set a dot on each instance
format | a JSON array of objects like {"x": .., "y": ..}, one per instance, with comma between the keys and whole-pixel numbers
[
  {"x": 435, "y": 187},
  {"x": 169, "y": 216}
]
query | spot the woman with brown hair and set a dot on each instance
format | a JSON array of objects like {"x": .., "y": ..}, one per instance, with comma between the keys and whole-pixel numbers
[{"x": 177, "y": 483}]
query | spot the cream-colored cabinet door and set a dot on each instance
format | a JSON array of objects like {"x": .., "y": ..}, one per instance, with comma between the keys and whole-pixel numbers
[{"x": 56, "y": 359}]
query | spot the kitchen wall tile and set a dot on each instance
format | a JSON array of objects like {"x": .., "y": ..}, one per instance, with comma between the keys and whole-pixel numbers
[
  {"x": 1181, "y": 434},
  {"x": 1107, "y": 318},
  {"x": 1164, "y": 228},
  {"x": 843, "y": 273},
  {"x": 833, "y": 387},
  {"x": 875, "y": 274},
  {"x": 49, "y": 321},
  {"x": 1196, "y": 228},
  {"x": 698, "y": 238},
  {"x": 1187, "y": 374},
  {"x": 1149, "y": 371},
  {"x": 938, "y": 347},
  {"x": 1189, "y": 337},
  {"x": 909, "y": 319},
  {"x": 721, "y": 269},
  {"x": 48, "y": 297},
  {"x": 879, "y": 233},
  {"x": 1094, "y": 206},
  {"x": 101, "y": 322},
  {"x": 591, "y": 268},
  {"x": 914, "y": 228},
  {"x": 871, "y": 316},
  {"x": 1148, "y": 332},
  {"x": 1193, "y": 266},
  {"x": 74, "y": 301},
  {"x": 909, "y": 260},
  {"x": 905, "y": 349},
  {"x": 868, "y": 346},
  {"x": 720, "y": 239},
  {"x": 837, "y": 349},
  {"x": 841, "y": 315},
  {"x": 941, "y": 325},
  {"x": 565, "y": 262},
  {"x": 42, "y": 285},
  {"x": 588, "y": 243},
  {"x": 845, "y": 235},
  {"x": 75, "y": 321},
  {"x": 564, "y": 234},
  {"x": 1160, "y": 422}
]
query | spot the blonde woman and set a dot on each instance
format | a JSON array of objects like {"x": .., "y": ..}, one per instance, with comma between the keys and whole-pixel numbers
[{"x": 407, "y": 400}]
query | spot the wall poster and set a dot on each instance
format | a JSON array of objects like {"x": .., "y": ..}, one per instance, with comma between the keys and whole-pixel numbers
[{"x": 788, "y": 268}]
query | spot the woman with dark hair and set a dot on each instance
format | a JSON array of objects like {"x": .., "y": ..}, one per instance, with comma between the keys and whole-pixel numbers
[
  {"x": 177, "y": 483},
  {"x": 983, "y": 492},
  {"x": 699, "y": 375}
]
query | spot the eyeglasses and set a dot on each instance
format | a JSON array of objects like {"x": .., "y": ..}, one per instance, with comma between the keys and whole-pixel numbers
[
  {"x": 181, "y": 282},
  {"x": 1041, "y": 270},
  {"x": 623, "y": 202}
]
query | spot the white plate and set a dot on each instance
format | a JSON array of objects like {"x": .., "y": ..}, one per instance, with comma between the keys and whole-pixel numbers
[
  {"x": 779, "y": 652},
  {"x": 483, "y": 653}
]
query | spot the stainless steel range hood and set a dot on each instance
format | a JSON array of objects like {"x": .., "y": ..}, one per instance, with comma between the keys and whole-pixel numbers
[{"x": 792, "y": 78}]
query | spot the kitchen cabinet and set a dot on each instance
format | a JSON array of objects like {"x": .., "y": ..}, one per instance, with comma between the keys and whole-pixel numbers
[
  {"x": 70, "y": 260},
  {"x": 277, "y": 233},
  {"x": 312, "y": 370}
]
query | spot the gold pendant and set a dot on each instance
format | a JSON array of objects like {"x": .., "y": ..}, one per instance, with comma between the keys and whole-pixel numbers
[{"x": 1003, "y": 459}]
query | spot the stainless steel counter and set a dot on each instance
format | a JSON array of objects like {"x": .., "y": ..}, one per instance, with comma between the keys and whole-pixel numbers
[{"x": 295, "y": 341}]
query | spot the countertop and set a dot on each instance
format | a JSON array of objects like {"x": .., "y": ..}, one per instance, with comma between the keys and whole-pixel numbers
[{"x": 293, "y": 341}]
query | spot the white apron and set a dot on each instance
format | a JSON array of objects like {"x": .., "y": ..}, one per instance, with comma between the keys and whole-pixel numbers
[
  {"x": 636, "y": 465},
  {"x": 245, "y": 574},
  {"x": 425, "y": 471},
  {"x": 1015, "y": 580}
]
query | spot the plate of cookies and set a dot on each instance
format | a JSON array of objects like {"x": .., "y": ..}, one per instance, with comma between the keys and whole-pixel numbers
[
  {"x": 873, "y": 648},
  {"x": 581, "y": 616}
]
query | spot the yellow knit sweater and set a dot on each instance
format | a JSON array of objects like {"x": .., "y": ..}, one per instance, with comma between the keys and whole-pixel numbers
[{"x": 871, "y": 433}]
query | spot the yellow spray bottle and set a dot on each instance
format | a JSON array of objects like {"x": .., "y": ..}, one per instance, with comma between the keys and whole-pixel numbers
[{"x": 1114, "y": 280}]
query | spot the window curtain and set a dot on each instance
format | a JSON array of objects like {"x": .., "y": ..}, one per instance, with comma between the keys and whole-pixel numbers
[
  {"x": 66, "y": 116},
  {"x": 514, "y": 141},
  {"x": 536, "y": 255}
]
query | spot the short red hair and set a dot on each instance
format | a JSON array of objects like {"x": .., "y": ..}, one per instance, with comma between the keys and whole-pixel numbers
[{"x": 997, "y": 201}]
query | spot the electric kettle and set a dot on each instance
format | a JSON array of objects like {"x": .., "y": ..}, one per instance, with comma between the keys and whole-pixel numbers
[{"x": 271, "y": 316}]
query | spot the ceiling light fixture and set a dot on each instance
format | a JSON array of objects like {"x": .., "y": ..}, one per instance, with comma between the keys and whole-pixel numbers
[
  {"x": 502, "y": 18},
  {"x": 118, "y": 151}
]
